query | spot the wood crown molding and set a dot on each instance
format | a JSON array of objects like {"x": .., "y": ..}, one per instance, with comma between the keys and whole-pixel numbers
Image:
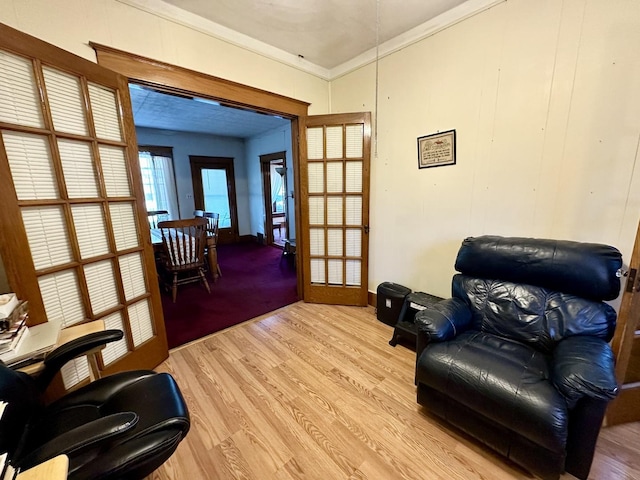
[{"x": 173, "y": 78}]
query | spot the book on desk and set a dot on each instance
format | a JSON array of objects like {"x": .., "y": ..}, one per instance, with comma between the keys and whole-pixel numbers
[{"x": 36, "y": 341}]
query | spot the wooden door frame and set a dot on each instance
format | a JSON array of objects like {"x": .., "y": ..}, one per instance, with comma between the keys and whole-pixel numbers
[
  {"x": 173, "y": 79},
  {"x": 265, "y": 170},
  {"x": 198, "y": 162},
  {"x": 624, "y": 408}
]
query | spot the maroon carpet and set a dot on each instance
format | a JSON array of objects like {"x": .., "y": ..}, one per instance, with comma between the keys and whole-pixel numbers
[{"x": 255, "y": 280}]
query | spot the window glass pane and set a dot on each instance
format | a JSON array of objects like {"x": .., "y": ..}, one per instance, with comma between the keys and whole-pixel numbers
[
  {"x": 334, "y": 177},
  {"x": 316, "y": 241},
  {"x": 334, "y": 241},
  {"x": 335, "y": 272},
  {"x": 31, "y": 165},
  {"x": 354, "y": 177},
  {"x": 140, "y": 321},
  {"x": 123, "y": 222},
  {"x": 19, "y": 99},
  {"x": 114, "y": 350},
  {"x": 132, "y": 271},
  {"x": 317, "y": 271},
  {"x": 334, "y": 142},
  {"x": 354, "y": 210},
  {"x": 114, "y": 171},
  {"x": 158, "y": 182},
  {"x": 316, "y": 210},
  {"x": 354, "y": 242},
  {"x": 101, "y": 284},
  {"x": 315, "y": 147},
  {"x": 216, "y": 194},
  {"x": 66, "y": 101},
  {"x": 334, "y": 210},
  {"x": 47, "y": 235},
  {"x": 105, "y": 112},
  {"x": 79, "y": 168},
  {"x": 355, "y": 138},
  {"x": 316, "y": 177},
  {"x": 90, "y": 230},
  {"x": 61, "y": 296},
  {"x": 354, "y": 272}
]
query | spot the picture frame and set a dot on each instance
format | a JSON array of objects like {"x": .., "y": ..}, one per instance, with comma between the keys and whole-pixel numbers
[{"x": 437, "y": 149}]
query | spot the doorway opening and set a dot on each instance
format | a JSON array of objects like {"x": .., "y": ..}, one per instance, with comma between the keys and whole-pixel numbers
[
  {"x": 274, "y": 188},
  {"x": 214, "y": 190}
]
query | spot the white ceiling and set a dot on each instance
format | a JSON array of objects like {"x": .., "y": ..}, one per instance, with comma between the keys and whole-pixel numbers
[
  {"x": 327, "y": 38},
  {"x": 169, "y": 112},
  {"x": 326, "y": 33}
]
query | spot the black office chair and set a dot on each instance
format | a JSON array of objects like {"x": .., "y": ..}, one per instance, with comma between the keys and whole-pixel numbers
[{"x": 122, "y": 426}]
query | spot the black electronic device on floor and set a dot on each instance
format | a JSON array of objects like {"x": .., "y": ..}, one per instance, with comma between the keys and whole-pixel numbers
[
  {"x": 390, "y": 298},
  {"x": 405, "y": 330}
]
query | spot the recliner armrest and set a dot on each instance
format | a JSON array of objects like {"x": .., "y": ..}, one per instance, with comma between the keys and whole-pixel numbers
[
  {"x": 56, "y": 359},
  {"x": 584, "y": 366},
  {"x": 78, "y": 439},
  {"x": 441, "y": 321}
]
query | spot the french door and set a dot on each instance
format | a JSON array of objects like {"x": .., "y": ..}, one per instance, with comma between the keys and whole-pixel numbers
[
  {"x": 73, "y": 232},
  {"x": 626, "y": 346},
  {"x": 214, "y": 190},
  {"x": 334, "y": 170}
]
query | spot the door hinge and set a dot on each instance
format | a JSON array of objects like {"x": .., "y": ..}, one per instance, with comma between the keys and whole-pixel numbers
[
  {"x": 631, "y": 280},
  {"x": 366, "y": 229}
]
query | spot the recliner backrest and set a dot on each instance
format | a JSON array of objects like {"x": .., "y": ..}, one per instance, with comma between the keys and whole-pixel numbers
[
  {"x": 538, "y": 291},
  {"x": 588, "y": 270}
]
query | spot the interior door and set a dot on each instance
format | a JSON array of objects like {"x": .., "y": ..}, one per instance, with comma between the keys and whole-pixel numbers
[
  {"x": 334, "y": 177},
  {"x": 73, "y": 231},
  {"x": 626, "y": 346},
  {"x": 214, "y": 190}
]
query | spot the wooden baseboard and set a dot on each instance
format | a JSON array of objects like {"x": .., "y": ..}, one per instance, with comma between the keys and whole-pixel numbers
[{"x": 372, "y": 299}]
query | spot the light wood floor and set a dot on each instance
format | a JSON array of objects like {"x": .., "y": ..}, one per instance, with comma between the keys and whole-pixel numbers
[{"x": 316, "y": 392}]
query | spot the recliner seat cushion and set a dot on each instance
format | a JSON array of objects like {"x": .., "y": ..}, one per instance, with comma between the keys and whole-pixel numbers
[{"x": 505, "y": 381}]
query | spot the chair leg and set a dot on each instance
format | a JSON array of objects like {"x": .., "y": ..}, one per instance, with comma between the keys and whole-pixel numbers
[
  {"x": 174, "y": 287},
  {"x": 204, "y": 279}
]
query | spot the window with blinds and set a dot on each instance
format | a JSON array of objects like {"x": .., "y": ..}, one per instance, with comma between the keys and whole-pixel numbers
[
  {"x": 65, "y": 147},
  {"x": 335, "y": 168}
]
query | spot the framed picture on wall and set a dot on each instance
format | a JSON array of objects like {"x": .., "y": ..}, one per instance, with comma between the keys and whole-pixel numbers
[{"x": 437, "y": 149}]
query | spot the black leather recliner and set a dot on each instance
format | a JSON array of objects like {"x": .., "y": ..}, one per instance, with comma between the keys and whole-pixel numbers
[
  {"x": 518, "y": 357},
  {"x": 122, "y": 426}
]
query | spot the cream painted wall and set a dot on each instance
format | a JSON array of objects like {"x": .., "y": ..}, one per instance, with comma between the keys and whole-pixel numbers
[
  {"x": 545, "y": 101},
  {"x": 72, "y": 24}
]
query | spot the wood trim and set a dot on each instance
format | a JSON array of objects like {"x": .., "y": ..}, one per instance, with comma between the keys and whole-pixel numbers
[
  {"x": 157, "y": 150},
  {"x": 177, "y": 79},
  {"x": 165, "y": 77},
  {"x": 372, "y": 299},
  {"x": 625, "y": 407}
]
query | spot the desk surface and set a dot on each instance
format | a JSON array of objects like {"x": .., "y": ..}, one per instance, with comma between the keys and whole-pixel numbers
[
  {"x": 54, "y": 469},
  {"x": 66, "y": 335}
]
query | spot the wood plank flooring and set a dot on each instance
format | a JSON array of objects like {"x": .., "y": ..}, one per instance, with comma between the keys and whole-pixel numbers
[{"x": 316, "y": 392}]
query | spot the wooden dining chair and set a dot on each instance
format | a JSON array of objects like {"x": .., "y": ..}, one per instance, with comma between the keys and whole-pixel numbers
[
  {"x": 157, "y": 216},
  {"x": 211, "y": 251},
  {"x": 182, "y": 257}
]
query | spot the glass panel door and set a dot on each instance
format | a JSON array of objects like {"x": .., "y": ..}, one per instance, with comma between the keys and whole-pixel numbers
[{"x": 216, "y": 194}]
